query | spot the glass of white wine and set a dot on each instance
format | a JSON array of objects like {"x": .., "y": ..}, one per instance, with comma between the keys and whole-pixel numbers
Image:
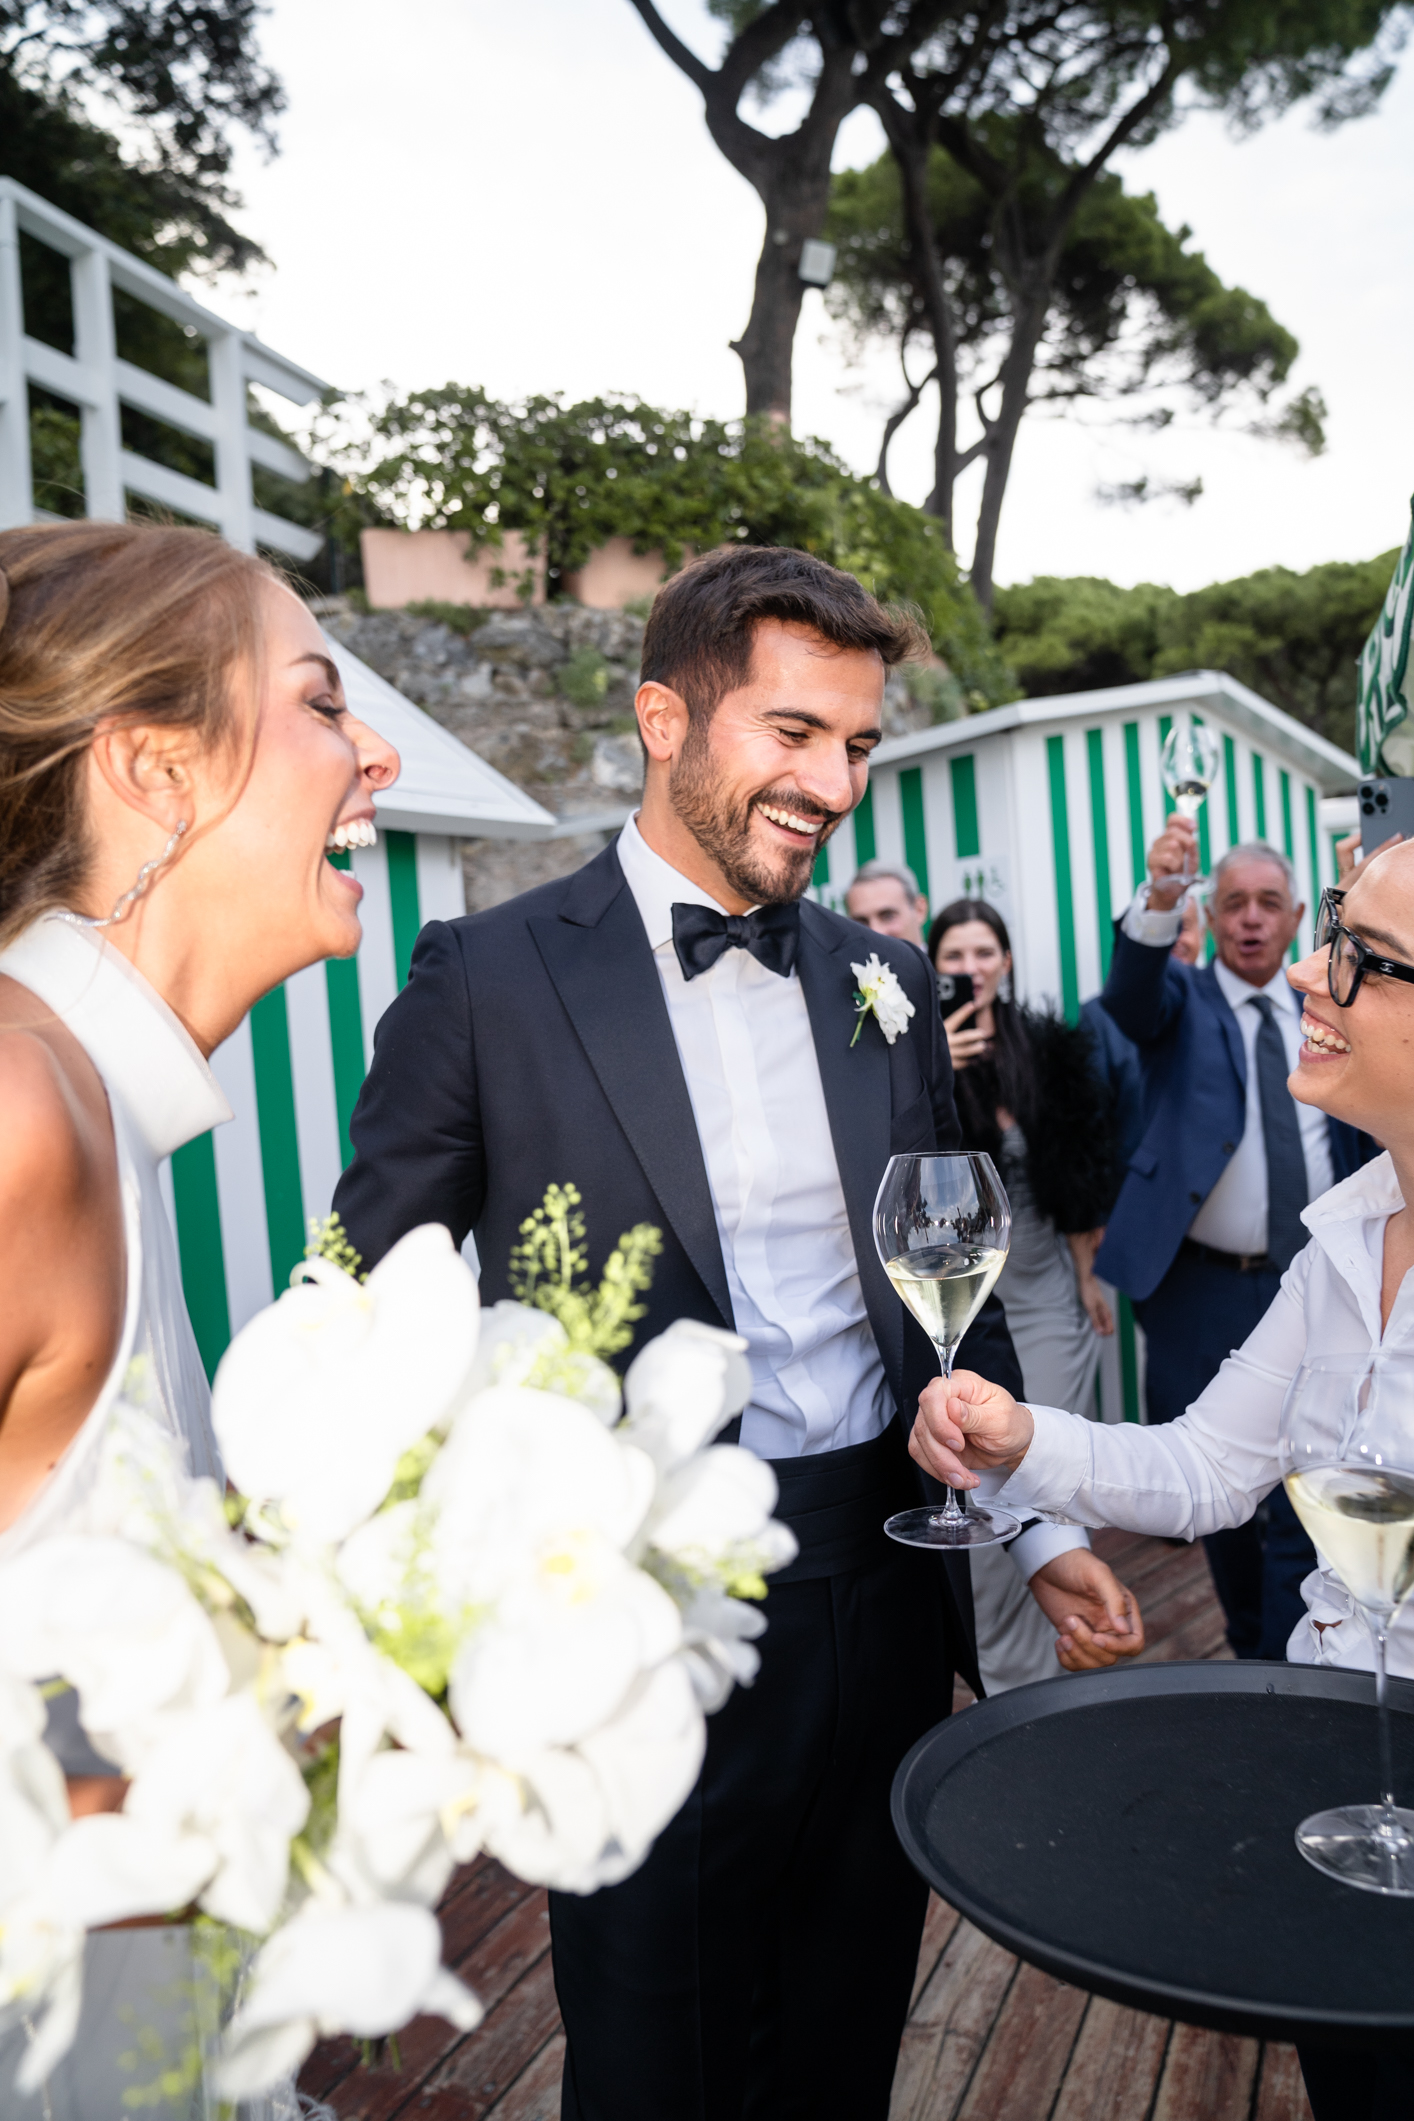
[
  {"x": 1347, "y": 1458},
  {"x": 1190, "y": 766},
  {"x": 942, "y": 1225}
]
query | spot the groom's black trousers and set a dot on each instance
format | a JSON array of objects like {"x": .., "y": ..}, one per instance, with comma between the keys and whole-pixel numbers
[{"x": 759, "y": 1966}]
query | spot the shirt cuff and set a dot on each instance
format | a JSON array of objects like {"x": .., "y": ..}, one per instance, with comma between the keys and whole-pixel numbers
[
  {"x": 1155, "y": 927},
  {"x": 1055, "y": 1466},
  {"x": 1040, "y": 1542}
]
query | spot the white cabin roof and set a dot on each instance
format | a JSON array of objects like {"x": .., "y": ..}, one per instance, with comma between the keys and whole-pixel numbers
[
  {"x": 443, "y": 786},
  {"x": 1334, "y": 771}
]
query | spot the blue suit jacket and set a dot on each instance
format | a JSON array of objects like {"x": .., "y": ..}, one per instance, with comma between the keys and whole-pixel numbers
[{"x": 1195, "y": 1107}]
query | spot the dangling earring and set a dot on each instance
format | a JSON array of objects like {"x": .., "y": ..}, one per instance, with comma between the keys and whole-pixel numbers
[{"x": 130, "y": 898}]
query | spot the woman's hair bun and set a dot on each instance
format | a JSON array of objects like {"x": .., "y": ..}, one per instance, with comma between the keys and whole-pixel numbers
[{"x": 4, "y": 598}]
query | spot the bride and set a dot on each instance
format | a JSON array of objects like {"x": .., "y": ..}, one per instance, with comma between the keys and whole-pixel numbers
[{"x": 175, "y": 760}]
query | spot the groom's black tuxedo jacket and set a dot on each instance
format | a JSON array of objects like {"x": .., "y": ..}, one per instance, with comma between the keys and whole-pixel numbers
[{"x": 532, "y": 1046}]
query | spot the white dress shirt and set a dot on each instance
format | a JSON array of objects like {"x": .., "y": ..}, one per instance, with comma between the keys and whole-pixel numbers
[
  {"x": 748, "y": 1055},
  {"x": 1233, "y": 1218},
  {"x": 747, "y": 1052},
  {"x": 1211, "y": 1468}
]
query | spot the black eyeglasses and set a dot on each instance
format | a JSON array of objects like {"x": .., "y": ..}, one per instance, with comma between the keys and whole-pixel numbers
[{"x": 1350, "y": 958}]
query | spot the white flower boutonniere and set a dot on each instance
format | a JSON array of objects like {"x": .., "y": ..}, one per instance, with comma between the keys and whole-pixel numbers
[{"x": 881, "y": 997}]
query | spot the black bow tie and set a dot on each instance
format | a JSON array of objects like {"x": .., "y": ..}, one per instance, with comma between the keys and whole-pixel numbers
[{"x": 771, "y": 934}]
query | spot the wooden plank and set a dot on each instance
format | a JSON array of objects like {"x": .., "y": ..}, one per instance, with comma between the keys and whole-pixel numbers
[
  {"x": 1025, "y": 2059},
  {"x": 1115, "y": 2066},
  {"x": 1281, "y": 2094},
  {"x": 480, "y": 1896},
  {"x": 535, "y": 2095},
  {"x": 949, "y": 2026},
  {"x": 1144, "y": 1558},
  {"x": 484, "y": 2068},
  {"x": 1148, "y": 1564},
  {"x": 1177, "y": 1614},
  {"x": 938, "y": 1926},
  {"x": 1115, "y": 1546},
  {"x": 506, "y": 1953},
  {"x": 1201, "y": 1637},
  {"x": 1207, "y": 2077},
  {"x": 1179, "y": 1580}
]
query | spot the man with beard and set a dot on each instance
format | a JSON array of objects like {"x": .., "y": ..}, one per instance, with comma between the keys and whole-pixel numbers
[{"x": 674, "y": 1031}]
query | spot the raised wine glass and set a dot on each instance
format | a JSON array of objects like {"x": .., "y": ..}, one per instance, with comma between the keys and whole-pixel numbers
[
  {"x": 1347, "y": 1458},
  {"x": 942, "y": 1225},
  {"x": 1190, "y": 766}
]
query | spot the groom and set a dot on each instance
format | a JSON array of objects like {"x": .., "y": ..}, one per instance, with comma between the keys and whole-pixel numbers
[{"x": 638, "y": 1029}]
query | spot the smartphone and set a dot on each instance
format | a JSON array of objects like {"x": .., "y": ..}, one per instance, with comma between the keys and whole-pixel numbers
[
  {"x": 1386, "y": 806},
  {"x": 955, "y": 989}
]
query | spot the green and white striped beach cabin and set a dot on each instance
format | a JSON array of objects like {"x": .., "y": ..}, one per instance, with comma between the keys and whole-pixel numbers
[
  {"x": 242, "y": 1196},
  {"x": 1046, "y": 807}
]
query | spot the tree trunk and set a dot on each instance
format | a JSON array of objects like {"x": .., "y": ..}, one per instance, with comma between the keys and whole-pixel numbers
[
  {"x": 796, "y": 200},
  {"x": 1028, "y": 326},
  {"x": 910, "y": 137},
  {"x": 790, "y": 172}
]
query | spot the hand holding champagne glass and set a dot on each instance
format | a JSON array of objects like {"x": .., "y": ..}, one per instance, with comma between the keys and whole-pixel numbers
[
  {"x": 1347, "y": 1458},
  {"x": 942, "y": 1226},
  {"x": 1190, "y": 766}
]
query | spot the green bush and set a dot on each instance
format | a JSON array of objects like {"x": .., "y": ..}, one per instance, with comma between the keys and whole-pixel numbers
[
  {"x": 584, "y": 679},
  {"x": 461, "y": 618},
  {"x": 570, "y": 477}
]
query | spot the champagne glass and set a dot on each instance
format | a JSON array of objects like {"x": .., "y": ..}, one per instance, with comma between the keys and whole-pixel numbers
[
  {"x": 1347, "y": 1457},
  {"x": 1190, "y": 766},
  {"x": 942, "y": 1225}
]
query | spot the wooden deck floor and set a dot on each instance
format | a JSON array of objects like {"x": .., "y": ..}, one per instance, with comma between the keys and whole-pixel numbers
[{"x": 988, "y": 2039}]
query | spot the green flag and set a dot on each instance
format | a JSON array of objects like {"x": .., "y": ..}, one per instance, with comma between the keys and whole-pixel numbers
[{"x": 1385, "y": 676}]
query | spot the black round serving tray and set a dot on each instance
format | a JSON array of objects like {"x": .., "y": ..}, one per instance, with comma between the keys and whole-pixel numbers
[{"x": 1132, "y": 1832}]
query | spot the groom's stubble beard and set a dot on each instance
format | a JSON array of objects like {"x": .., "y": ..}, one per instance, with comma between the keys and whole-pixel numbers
[{"x": 721, "y": 824}]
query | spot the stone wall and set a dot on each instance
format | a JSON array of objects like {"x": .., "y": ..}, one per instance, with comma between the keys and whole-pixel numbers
[{"x": 544, "y": 695}]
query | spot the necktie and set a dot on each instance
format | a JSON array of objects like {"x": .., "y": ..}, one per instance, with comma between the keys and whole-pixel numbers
[
  {"x": 1281, "y": 1138},
  {"x": 771, "y": 934}
]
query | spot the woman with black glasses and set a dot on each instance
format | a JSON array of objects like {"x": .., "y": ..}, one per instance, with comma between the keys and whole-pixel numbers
[{"x": 1350, "y": 1292}]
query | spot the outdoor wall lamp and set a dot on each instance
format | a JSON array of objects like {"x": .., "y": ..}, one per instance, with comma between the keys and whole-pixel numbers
[{"x": 817, "y": 262}]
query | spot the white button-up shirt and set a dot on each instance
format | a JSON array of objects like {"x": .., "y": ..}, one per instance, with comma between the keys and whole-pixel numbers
[
  {"x": 1212, "y": 1467},
  {"x": 748, "y": 1055},
  {"x": 1234, "y": 1216},
  {"x": 744, "y": 1038}
]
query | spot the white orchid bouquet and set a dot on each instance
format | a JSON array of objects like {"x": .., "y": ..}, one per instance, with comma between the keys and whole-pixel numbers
[{"x": 473, "y": 1593}]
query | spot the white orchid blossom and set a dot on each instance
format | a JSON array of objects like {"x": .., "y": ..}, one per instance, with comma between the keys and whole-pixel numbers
[
  {"x": 880, "y": 995},
  {"x": 120, "y": 1626},
  {"x": 317, "y": 1399},
  {"x": 522, "y": 1346},
  {"x": 40, "y": 1952},
  {"x": 222, "y": 1777},
  {"x": 682, "y": 1389},
  {"x": 718, "y": 1637},
  {"x": 469, "y": 1607},
  {"x": 360, "y": 1970}
]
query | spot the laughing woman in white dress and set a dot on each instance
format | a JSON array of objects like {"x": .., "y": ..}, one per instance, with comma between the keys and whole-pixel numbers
[{"x": 175, "y": 758}]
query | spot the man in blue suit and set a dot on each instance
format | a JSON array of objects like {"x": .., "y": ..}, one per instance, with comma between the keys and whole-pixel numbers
[
  {"x": 1117, "y": 1061},
  {"x": 1209, "y": 1216}
]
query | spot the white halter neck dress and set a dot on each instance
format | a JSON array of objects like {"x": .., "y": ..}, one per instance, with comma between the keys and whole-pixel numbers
[{"x": 161, "y": 1093}]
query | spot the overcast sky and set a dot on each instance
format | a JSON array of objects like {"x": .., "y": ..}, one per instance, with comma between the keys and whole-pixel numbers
[{"x": 526, "y": 197}]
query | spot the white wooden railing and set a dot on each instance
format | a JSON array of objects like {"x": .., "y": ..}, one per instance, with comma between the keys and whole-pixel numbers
[{"x": 98, "y": 383}]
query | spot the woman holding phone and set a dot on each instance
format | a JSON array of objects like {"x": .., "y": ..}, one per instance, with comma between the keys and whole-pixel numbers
[{"x": 1028, "y": 1093}]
